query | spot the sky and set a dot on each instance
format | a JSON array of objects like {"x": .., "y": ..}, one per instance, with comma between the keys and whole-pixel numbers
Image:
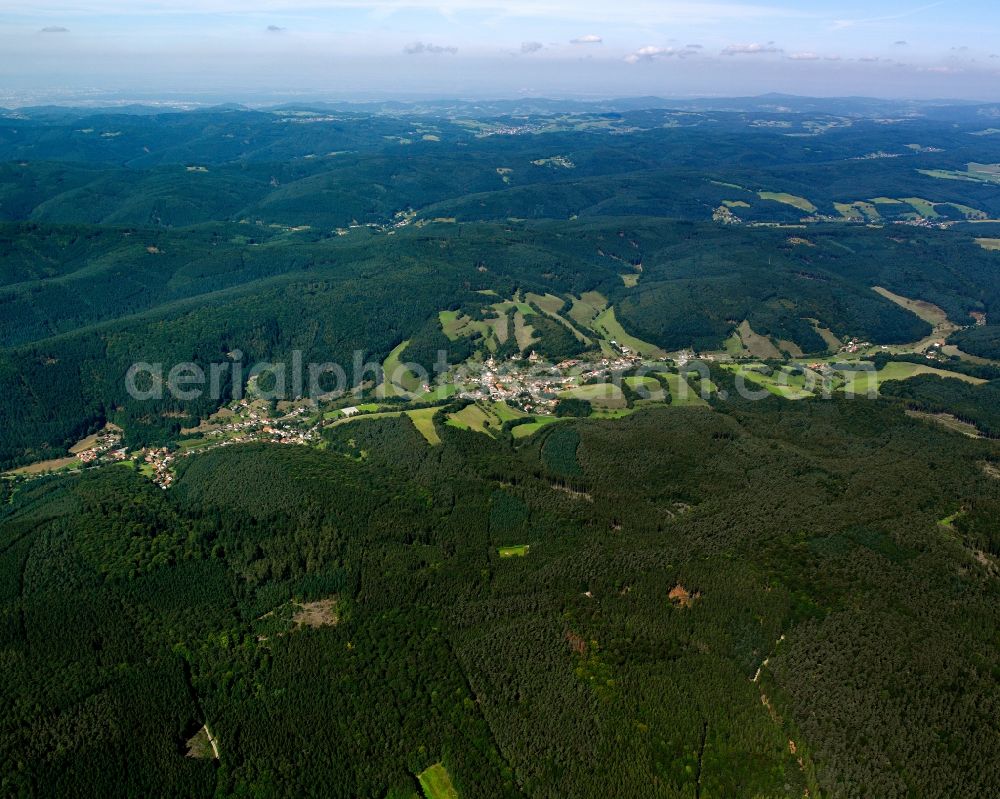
[{"x": 52, "y": 49}]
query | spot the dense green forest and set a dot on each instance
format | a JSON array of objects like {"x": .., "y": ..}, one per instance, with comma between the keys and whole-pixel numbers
[
  {"x": 837, "y": 636},
  {"x": 705, "y": 597}
]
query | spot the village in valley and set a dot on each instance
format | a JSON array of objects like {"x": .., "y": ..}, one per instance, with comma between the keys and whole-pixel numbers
[{"x": 514, "y": 390}]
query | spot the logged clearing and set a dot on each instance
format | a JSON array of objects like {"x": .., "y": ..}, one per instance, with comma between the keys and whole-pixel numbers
[
  {"x": 322, "y": 613},
  {"x": 436, "y": 783},
  {"x": 202, "y": 746},
  {"x": 948, "y": 421},
  {"x": 681, "y": 597},
  {"x": 518, "y": 551},
  {"x": 993, "y": 245}
]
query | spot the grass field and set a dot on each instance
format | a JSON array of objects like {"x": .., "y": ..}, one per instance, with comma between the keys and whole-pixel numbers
[
  {"x": 46, "y": 466},
  {"x": 518, "y": 551},
  {"x": 527, "y": 430},
  {"x": 423, "y": 420},
  {"x": 505, "y": 413},
  {"x": 523, "y": 332},
  {"x": 858, "y": 211},
  {"x": 757, "y": 345},
  {"x": 648, "y": 388},
  {"x": 989, "y": 244},
  {"x": 603, "y": 394},
  {"x": 398, "y": 380},
  {"x": 781, "y": 384},
  {"x": 475, "y": 417},
  {"x": 550, "y": 306},
  {"x": 436, "y": 783},
  {"x": 862, "y": 382},
  {"x": 367, "y": 416},
  {"x": 788, "y": 199},
  {"x": 549, "y": 303},
  {"x": 451, "y": 323},
  {"x": 587, "y": 307},
  {"x": 681, "y": 392},
  {"x": 928, "y": 312},
  {"x": 440, "y": 393},
  {"x": 608, "y": 326},
  {"x": 923, "y": 207}
]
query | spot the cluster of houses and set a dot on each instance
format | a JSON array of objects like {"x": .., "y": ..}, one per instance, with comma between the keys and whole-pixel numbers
[
  {"x": 855, "y": 345},
  {"x": 249, "y": 424},
  {"x": 508, "y": 130},
  {"x": 105, "y": 447},
  {"x": 160, "y": 459},
  {"x": 536, "y": 387}
]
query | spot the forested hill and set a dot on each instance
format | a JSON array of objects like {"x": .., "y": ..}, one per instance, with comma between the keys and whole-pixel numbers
[
  {"x": 746, "y": 603},
  {"x": 626, "y": 580}
]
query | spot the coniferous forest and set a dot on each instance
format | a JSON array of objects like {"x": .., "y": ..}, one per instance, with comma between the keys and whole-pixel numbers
[{"x": 553, "y": 595}]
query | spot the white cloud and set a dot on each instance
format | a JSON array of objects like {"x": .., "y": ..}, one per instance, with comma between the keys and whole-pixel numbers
[
  {"x": 419, "y": 48},
  {"x": 531, "y": 47},
  {"x": 644, "y": 54},
  {"x": 590, "y": 38},
  {"x": 752, "y": 49},
  {"x": 650, "y": 53},
  {"x": 804, "y": 57}
]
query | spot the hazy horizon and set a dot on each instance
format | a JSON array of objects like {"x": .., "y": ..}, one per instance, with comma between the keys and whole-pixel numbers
[{"x": 487, "y": 49}]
